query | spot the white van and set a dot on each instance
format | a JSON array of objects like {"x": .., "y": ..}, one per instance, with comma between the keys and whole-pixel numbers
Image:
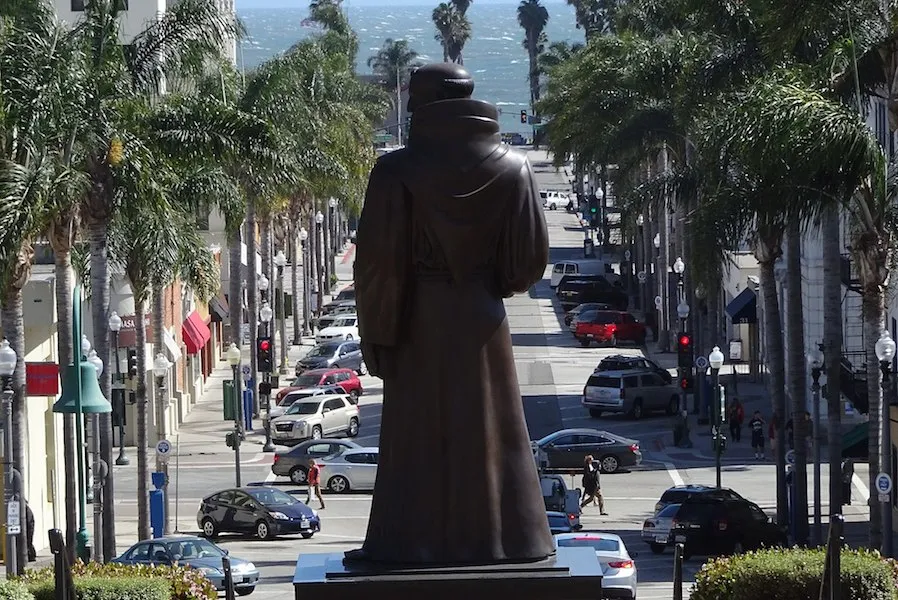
[{"x": 581, "y": 267}]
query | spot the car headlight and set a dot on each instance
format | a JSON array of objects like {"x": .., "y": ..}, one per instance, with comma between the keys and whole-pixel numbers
[
  {"x": 280, "y": 516},
  {"x": 210, "y": 571},
  {"x": 249, "y": 567},
  {"x": 314, "y": 513}
]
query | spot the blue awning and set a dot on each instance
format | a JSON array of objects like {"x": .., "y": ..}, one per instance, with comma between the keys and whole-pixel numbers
[{"x": 744, "y": 307}]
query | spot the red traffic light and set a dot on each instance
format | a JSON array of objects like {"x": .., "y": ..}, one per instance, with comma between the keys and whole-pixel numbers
[
  {"x": 264, "y": 345},
  {"x": 685, "y": 341},
  {"x": 684, "y": 383}
]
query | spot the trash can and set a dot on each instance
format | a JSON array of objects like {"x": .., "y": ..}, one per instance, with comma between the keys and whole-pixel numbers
[{"x": 229, "y": 400}]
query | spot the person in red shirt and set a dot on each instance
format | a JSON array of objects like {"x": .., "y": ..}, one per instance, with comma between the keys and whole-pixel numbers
[{"x": 314, "y": 478}]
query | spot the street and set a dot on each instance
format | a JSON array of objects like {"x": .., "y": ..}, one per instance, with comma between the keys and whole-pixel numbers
[{"x": 552, "y": 369}]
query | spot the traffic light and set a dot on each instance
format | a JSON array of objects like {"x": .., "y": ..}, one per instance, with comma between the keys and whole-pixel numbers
[
  {"x": 687, "y": 382},
  {"x": 263, "y": 354},
  {"x": 524, "y": 117},
  {"x": 685, "y": 352},
  {"x": 132, "y": 363}
]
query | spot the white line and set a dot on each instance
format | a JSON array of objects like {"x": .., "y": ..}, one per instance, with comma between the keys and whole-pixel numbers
[
  {"x": 859, "y": 484},
  {"x": 270, "y": 477},
  {"x": 674, "y": 474}
]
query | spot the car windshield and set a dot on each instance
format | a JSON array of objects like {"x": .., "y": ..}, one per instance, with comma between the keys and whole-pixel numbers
[
  {"x": 344, "y": 322},
  {"x": 596, "y": 543},
  {"x": 198, "y": 548},
  {"x": 270, "y": 497},
  {"x": 303, "y": 408},
  {"x": 306, "y": 380},
  {"x": 669, "y": 511},
  {"x": 324, "y": 350},
  {"x": 604, "y": 317}
]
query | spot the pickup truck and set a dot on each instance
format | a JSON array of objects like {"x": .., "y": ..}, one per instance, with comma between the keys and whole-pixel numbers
[
  {"x": 590, "y": 288},
  {"x": 562, "y": 504}
]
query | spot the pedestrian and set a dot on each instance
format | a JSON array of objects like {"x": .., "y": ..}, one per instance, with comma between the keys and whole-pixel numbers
[
  {"x": 592, "y": 487},
  {"x": 756, "y": 426},
  {"x": 314, "y": 478},
  {"x": 29, "y": 532},
  {"x": 737, "y": 416}
]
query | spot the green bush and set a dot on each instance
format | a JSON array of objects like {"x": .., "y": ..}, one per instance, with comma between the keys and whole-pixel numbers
[
  {"x": 794, "y": 574},
  {"x": 109, "y": 588},
  {"x": 11, "y": 589},
  {"x": 184, "y": 583}
]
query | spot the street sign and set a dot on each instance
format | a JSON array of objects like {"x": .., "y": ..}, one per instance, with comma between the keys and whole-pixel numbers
[
  {"x": 163, "y": 449},
  {"x": 883, "y": 483},
  {"x": 246, "y": 371},
  {"x": 701, "y": 363},
  {"x": 884, "y": 497},
  {"x": 790, "y": 457},
  {"x": 13, "y": 518}
]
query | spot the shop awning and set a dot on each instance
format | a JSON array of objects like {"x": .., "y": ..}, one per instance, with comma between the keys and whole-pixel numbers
[
  {"x": 744, "y": 307},
  {"x": 195, "y": 333},
  {"x": 218, "y": 307}
]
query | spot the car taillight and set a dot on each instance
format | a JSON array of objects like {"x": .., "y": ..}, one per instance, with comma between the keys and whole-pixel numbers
[
  {"x": 722, "y": 525},
  {"x": 634, "y": 447},
  {"x": 611, "y": 328},
  {"x": 572, "y": 517},
  {"x": 621, "y": 564},
  {"x": 276, "y": 458}
]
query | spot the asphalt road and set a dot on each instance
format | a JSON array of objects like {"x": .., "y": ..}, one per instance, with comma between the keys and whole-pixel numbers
[{"x": 552, "y": 370}]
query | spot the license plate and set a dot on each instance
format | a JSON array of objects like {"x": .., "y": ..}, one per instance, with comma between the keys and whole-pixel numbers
[
  {"x": 661, "y": 539},
  {"x": 589, "y": 335},
  {"x": 680, "y": 539},
  {"x": 246, "y": 580},
  {"x": 304, "y": 523}
]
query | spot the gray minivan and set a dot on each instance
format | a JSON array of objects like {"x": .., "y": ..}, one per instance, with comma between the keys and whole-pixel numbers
[{"x": 634, "y": 392}]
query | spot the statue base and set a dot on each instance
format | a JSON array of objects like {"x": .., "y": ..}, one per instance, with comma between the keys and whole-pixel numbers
[{"x": 571, "y": 574}]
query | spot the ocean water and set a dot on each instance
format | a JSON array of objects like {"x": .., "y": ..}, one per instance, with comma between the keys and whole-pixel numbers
[{"x": 494, "y": 55}]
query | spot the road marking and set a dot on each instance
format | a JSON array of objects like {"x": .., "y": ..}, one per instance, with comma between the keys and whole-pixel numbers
[
  {"x": 859, "y": 484},
  {"x": 270, "y": 477},
  {"x": 674, "y": 474}
]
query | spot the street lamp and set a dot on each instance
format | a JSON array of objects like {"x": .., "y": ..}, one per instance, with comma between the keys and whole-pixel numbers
[
  {"x": 679, "y": 266},
  {"x": 815, "y": 362},
  {"x": 265, "y": 315},
  {"x": 234, "y": 357},
  {"x": 319, "y": 219},
  {"x": 715, "y": 359},
  {"x": 640, "y": 220},
  {"x": 115, "y": 325},
  {"x": 161, "y": 366},
  {"x": 332, "y": 202},
  {"x": 885, "y": 352},
  {"x": 8, "y": 362},
  {"x": 263, "y": 284},
  {"x": 683, "y": 310},
  {"x": 85, "y": 346},
  {"x": 657, "y": 241},
  {"x": 98, "y": 469},
  {"x": 280, "y": 261},
  {"x": 306, "y": 271}
]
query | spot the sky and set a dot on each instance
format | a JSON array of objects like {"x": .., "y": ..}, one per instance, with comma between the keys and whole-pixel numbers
[{"x": 246, "y": 4}]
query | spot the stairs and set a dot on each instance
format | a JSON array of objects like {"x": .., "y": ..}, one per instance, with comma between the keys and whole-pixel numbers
[{"x": 853, "y": 380}]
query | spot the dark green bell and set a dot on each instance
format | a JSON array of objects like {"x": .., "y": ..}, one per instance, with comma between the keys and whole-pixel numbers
[{"x": 92, "y": 399}]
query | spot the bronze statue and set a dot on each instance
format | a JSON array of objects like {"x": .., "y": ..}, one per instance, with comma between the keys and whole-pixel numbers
[{"x": 451, "y": 225}]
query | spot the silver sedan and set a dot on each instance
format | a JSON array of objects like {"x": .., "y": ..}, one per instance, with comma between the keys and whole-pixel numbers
[
  {"x": 354, "y": 470},
  {"x": 618, "y": 567}
]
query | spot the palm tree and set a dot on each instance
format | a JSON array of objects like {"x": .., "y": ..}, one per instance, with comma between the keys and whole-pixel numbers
[
  {"x": 462, "y": 5},
  {"x": 595, "y": 17},
  {"x": 533, "y": 16},
  {"x": 453, "y": 31},
  {"x": 393, "y": 64}
]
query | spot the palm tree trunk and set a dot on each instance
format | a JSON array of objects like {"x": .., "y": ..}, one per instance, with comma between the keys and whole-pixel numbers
[
  {"x": 253, "y": 299},
  {"x": 140, "y": 330},
  {"x": 874, "y": 325},
  {"x": 326, "y": 245},
  {"x": 265, "y": 241},
  {"x": 235, "y": 302},
  {"x": 832, "y": 348},
  {"x": 797, "y": 378},
  {"x": 775, "y": 362},
  {"x": 294, "y": 282},
  {"x": 316, "y": 259},
  {"x": 161, "y": 398},
  {"x": 99, "y": 301}
]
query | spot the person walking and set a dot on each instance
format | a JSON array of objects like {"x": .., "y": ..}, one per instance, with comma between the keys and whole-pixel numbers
[
  {"x": 737, "y": 416},
  {"x": 756, "y": 426},
  {"x": 592, "y": 487},
  {"x": 314, "y": 478}
]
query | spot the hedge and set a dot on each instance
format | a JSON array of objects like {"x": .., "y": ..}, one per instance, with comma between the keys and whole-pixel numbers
[
  {"x": 11, "y": 589},
  {"x": 183, "y": 583},
  {"x": 794, "y": 574},
  {"x": 108, "y": 588}
]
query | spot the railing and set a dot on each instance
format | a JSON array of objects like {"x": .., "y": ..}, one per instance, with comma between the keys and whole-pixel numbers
[{"x": 849, "y": 275}]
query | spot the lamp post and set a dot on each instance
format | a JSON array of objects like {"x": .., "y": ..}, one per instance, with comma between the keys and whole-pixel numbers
[
  {"x": 815, "y": 362},
  {"x": 332, "y": 204},
  {"x": 263, "y": 283},
  {"x": 99, "y": 468},
  {"x": 303, "y": 237},
  {"x": 115, "y": 325},
  {"x": 715, "y": 359},
  {"x": 234, "y": 356},
  {"x": 663, "y": 316},
  {"x": 641, "y": 262},
  {"x": 161, "y": 366},
  {"x": 8, "y": 361},
  {"x": 265, "y": 314},
  {"x": 885, "y": 352},
  {"x": 319, "y": 219},
  {"x": 280, "y": 261}
]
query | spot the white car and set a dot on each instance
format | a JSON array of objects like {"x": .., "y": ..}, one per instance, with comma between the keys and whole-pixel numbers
[
  {"x": 552, "y": 200},
  {"x": 344, "y": 327},
  {"x": 618, "y": 567},
  {"x": 355, "y": 469},
  {"x": 656, "y": 530}
]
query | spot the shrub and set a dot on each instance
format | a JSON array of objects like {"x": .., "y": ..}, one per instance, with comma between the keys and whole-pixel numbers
[
  {"x": 794, "y": 574},
  {"x": 11, "y": 589},
  {"x": 109, "y": 588},
  {"x": 184, "y": 583}
]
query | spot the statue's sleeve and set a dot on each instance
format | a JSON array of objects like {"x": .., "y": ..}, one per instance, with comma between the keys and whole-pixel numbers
[
  {"x": 524, "y": 244},
  {"x": 381, "y": 264}
]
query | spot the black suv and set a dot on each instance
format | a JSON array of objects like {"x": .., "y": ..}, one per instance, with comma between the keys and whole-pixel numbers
[
  {"x": 680, "y": 493},
  {"x": 709, "y": 525},
  {"x": 591, "y": 288},
  {"x": 619, "y": 362}
]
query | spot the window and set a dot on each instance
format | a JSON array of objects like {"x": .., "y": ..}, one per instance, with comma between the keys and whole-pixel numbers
[
  {"x": 224, "y": 497},
  {"x": 318, "y": 450},
  {"x": 757, "y": 514},
  {"x": 358, "y": 458},
  {"x": 334, "y": 404},
  {"x": 597, "y": 543},
  {"x": 331, "y": 379},
  {"x": 270, "y": 497},
  {"x": 604, "y": 382},
  {"x": 650, "y": 380},
  {"x": 140, "y": 552},
  {"x": 303, "y": 408},
  {"x": 592, "y": 440},
  {"x": 558, "y": 268},
  {"x": 565, "y": 440},
  {"x": 669, "y": 511},
  {"x": 372, "y": 458},
  {"x": 631, "y": 382},
  {"x": 342, "y": 377},
  {"x": 243, "y": 501},
  {"x": 353, "y": 347}
]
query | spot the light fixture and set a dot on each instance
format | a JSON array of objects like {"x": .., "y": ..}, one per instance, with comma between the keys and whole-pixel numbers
[
  {"x": 263, "y": 283},
  {"x": 161, "y": 365},
  {"x": 658, "y": 302},
  {"x": 8, "y": 359},
  {"x": 96, "y": 361},
  {"x": 683, "y": 310},
  {"x": 716, "y": 358},
  {"x": 640, "y": 220},
  {"x": 280, "y": 259},
  {"x": 657, "y": 241},
  {"x": 115, "y": 322},
  {"x": 679, "y": 266},
  {"x": 885, "y": 347},
  {"x": 332, "y": 202},
  {"x": 85, "y": 345},
  {"x": 265, "y": 313},
  {"x": 815, "y": 359},
  {"x": 319, "y": 218},
  {"x": 303, "y": 234},
  {"x": 233, "y": 354}
]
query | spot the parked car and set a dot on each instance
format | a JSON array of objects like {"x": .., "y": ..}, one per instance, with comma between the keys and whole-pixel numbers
[
  {"x": 656, "y": 530},
  {"x": 347, "y": 293},
  {"x": 333, "y": 355},
  {"x": 680, "y": 493},
  {"x": 194, "y": 552},
  {"x": 574, "y": 268},
  {"x": 592, "y": 288},
  {"x": 620, "y": 362},
  {"x": 347, "y": 379},
  {"x": 558, "y": 498},
  {"x": 344, "y": 327},
  {"x": 315, "y": 417},
  {"x": 633, "y": 392},
  {"x": 565, "y": 450},
  {"x": 260, "y": 510},
  {"x": 295, "y": 462},
  {"x": 355, "y": 469},
  {"x": 299, "y": 394},
  {"x": 618, "y": 567},
  {"x": 607, "y": 326},
  {"x": 571, "y": 316},
  {"x": 708, "y": 525},
  {"x": 562, "y": 522},
  {"x": 338, "y": 307}
]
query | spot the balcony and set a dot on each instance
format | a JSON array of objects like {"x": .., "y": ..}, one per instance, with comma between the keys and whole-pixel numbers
[{"x": 849, "y": 273}]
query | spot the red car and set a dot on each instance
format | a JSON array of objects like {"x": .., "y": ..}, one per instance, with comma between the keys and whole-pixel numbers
[
  {"x": 609, "y": 326},
  {"x": 345, "y": 378}
]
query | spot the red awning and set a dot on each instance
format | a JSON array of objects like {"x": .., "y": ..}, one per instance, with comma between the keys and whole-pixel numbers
[{"x": 195, "y": 333}]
